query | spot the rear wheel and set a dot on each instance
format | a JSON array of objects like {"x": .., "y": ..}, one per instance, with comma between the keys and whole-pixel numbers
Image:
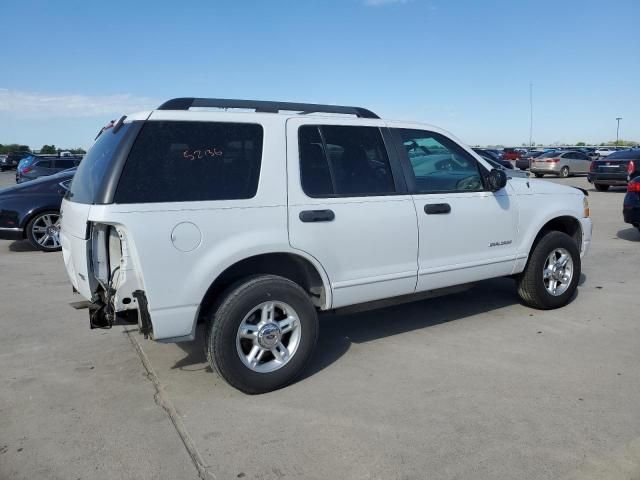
[
  {"x": 43, "y": 231},
  {"x": 564, "y": 172},
  {"x": 600, "y": 187},
  {"x": 262, "y": 334},
  {"x": 551, "y": 276},
  {"x": 539, "y": 175}
]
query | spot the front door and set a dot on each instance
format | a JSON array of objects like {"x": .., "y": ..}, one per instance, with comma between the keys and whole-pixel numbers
[
  {"x": 349, "y": 208},
  {"x": 466, "y": 232}
]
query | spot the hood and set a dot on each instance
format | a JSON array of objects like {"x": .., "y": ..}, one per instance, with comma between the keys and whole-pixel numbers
[{"x": 524, "y": 186}]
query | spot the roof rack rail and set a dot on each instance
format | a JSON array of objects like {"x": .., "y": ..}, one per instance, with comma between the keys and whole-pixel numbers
[{"x": 264, "y": 106}]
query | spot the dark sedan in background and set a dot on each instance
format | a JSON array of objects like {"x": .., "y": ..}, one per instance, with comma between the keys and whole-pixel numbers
[
  {"x": 616, "y": 169},
  {"x": 36, "y": 167},
  {"x": 523, "y": 163},
  {"x": 32, "y": 210},
  {"x": 631, "y": 205}
]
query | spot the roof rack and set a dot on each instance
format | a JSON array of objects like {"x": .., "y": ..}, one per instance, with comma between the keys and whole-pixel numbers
[{"x": 264, "y": 106}]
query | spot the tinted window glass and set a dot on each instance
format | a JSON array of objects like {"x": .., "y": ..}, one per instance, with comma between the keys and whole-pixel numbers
[
  {"x": 65, "y": 163},
  {"x": 628, "y": 154},
  {"x": 174, "y": 161},
  {"x": 551, "y": 154},
  {"x": 93, "y": 167},
  {"x": 439, "y": 164},
  {"x": 344, "y": 161},
  {"x": 44, "y": 164}
]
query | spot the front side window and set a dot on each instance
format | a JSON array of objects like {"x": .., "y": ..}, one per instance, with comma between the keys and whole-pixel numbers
[
  {"x": 439, "y": 164},
  {"x": 174, "y": 161},
  {"x": 338, "y": 161}
]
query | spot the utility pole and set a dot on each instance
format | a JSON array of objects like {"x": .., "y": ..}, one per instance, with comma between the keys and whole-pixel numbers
[
  {"x": 530, "y": 115},
  {"x": 618, "y": 130}
]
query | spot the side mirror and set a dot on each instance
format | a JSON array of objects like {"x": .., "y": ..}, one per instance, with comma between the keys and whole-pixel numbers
[{"x": 497, "y": 179}]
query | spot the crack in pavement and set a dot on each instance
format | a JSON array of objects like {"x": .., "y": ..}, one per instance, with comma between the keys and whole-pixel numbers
[{"x": 162, "y": 400}]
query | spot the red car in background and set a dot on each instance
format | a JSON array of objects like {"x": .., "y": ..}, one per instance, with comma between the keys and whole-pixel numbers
[{"x": 511, "y": 154}]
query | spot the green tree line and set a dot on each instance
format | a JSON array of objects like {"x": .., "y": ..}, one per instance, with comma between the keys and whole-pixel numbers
[{"x": 48, "y": 149}]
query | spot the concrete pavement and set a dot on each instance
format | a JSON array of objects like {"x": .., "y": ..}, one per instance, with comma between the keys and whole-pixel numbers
[{"x": 473, "y": 385}]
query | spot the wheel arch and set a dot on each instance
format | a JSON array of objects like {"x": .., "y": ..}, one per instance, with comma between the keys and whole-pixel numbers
[
  {"x": 32, "y": 213},
  {"x": 568, "y": 224},
  {"x": 296, "y": 267}
]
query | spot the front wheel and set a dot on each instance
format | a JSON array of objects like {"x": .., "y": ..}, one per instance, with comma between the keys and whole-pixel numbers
[
  {"x": 262, "y": 334},
  {"x": 551, "y": 276},
  {"x": 43, "y": 231}
]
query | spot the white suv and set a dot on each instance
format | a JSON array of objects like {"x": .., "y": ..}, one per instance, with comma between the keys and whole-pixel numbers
[{"x": 254, "y": 221}]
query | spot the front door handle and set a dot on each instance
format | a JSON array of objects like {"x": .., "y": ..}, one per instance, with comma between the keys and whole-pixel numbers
[
  {"x": 317, "y": 215},
  {"x": 437, "y": 208}
]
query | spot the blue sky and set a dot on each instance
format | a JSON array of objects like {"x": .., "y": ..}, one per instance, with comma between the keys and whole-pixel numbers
[{"x": 70, "y": 66}]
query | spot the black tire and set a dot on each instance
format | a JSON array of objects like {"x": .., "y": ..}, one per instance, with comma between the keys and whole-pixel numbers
[
  {"x": 564, "y": 172},
  {"x": 539, "y": 175},
  {"x": 224, "y": 322},
  {"x": 48, "y": 246},
  {"x": 531, "y": 286},
  {"x": 600, "y": 187}
]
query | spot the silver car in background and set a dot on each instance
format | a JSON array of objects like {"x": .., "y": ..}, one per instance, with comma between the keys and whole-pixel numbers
[{"x": 561, "y": 163}]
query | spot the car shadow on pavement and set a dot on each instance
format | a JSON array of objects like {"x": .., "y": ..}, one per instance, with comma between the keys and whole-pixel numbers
[
  {"x": 195, "y": 353},
  {"x": 22, "y": 246},
  {"x": 630, "y": 234},
  {"x": 339, "y": 331}
]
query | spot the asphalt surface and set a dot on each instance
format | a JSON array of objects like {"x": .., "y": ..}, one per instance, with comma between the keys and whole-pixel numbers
[{"x": 470, "y": 386}]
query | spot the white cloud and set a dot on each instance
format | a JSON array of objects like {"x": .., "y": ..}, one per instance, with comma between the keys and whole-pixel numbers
[{"x": 29, "y": 104}]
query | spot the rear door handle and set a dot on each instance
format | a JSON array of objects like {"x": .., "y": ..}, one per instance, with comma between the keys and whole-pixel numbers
[
  {"x": 437, "y": 208},
  {"x": 317, "y": 215}
]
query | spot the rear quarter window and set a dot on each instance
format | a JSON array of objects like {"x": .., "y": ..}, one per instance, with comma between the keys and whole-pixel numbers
[
  {"x": 178, "y": 161},
  {"x": 91, "y": 173}
]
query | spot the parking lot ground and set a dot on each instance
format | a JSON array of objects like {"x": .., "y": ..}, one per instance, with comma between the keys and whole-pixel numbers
[{"x": 472, "y": 385}]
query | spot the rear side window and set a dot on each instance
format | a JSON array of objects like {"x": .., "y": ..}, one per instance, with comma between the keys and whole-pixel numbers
[
  {"x": 625, "y": 155},
  {"x": 339, "y": 161},
  {"x": 65, "y": 163},
  {"x": 173, "y": 161},
  {"x": 44, "y": 164}
]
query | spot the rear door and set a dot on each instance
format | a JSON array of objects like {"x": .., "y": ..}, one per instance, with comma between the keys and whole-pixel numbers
[
  {"x": 582, "y": 162},
  {"x": 349, "y": 208}
]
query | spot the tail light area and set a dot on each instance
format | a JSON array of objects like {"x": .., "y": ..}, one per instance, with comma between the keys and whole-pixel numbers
[
  {"x": 631, "y": 167},
  {"x": 552, "y": 160},
  {"x": 116, "y": 280},
  {"x": 593, "y": 167},
  {"x": 634, "y": 186}
]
